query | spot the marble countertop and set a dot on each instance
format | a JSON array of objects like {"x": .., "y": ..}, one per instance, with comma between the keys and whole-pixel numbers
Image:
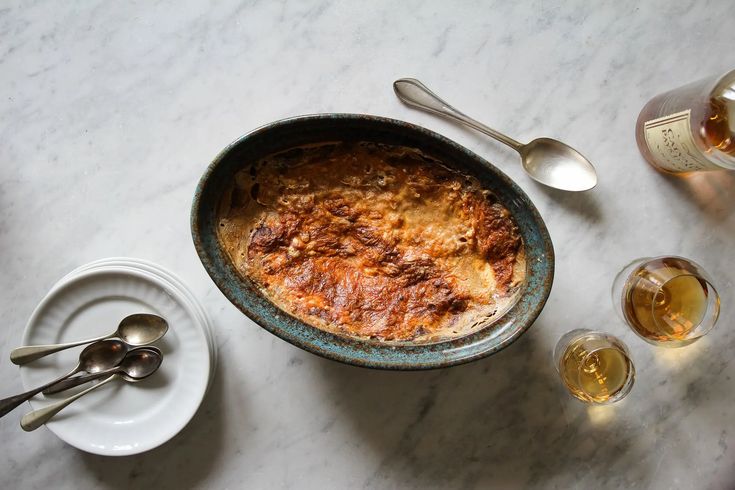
[{"x": 110, "y": 113}]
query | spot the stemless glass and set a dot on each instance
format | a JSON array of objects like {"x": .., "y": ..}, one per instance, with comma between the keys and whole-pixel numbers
[
  {"x": 668, "y": 301},
  {"x": 595, "y": 367}
]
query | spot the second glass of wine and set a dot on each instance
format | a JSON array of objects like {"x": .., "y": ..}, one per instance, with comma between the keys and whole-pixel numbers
[
  {"x": 595, "y": 367},
  {"x": 668, "y": 301}
]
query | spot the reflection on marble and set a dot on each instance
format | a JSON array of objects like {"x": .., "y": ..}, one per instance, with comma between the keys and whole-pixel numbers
[{"x": 110, "y": 113}]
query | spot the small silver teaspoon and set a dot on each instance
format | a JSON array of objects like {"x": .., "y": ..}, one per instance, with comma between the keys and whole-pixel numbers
[
  {"x": 545, "y": 160},
  {"x": 137, "y": 365},
  {"x": 138, "y": 329},
  {"x": 99, "y": 356}
]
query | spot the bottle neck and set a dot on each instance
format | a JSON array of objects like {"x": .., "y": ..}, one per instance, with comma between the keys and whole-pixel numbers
[
  {"x": 724, "y": 87},
  {"x": 723, "y": 93}
]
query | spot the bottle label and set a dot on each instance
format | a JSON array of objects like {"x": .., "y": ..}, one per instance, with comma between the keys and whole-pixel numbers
[{"x": 670, "y": 141}]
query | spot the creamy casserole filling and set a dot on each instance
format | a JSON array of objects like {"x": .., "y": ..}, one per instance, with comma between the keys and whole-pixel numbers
[{"x": 373, "y": 241}]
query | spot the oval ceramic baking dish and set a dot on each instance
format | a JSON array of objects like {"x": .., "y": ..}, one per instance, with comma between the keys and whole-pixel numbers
[{"x": 308, "y": 130}]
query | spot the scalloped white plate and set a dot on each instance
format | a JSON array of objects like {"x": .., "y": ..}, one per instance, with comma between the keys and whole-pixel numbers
[{"x": 120, "y": 418}]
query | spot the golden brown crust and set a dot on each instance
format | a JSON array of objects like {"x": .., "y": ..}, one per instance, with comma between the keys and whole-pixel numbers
[{"x": 372, "y": 241}]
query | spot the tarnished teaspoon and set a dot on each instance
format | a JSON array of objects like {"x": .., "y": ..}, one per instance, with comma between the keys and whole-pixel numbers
[
  {"x": 138, "y": 329},
  {"x": 132, "y": 359},
  {"x": 546, "y": 160},
  {"x": 99, "y": 356},
  {"x": 142, "y": 363}
]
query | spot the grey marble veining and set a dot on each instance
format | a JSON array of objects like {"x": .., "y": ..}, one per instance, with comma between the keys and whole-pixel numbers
[{"x": 111, "y": 111}]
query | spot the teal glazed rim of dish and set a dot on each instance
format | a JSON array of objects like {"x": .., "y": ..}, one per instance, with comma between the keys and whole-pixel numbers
[{"x": 301, "y": 130}]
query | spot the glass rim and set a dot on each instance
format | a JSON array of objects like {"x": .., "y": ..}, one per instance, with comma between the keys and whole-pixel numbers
[
  {"x": 634, "y": 267},
  {"x": 631, "y": 268}
]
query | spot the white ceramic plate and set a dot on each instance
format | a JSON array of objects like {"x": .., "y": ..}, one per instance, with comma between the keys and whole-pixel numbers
[
  {"x": 120, "y": 418},
  {"x": 161, "y": 273}
]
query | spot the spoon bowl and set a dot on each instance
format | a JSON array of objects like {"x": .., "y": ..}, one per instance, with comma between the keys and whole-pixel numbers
[
  {"x": 557, "y": 165},
  {"x": 142, "y": 328},
  {"x": 140, "y": 363},
  {"x": 102, "y": 355}
]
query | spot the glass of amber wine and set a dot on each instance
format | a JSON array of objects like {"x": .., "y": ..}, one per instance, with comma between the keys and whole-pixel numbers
[
  {"x": 594, "y": 366},
  {"x": 668, "y": 301}
]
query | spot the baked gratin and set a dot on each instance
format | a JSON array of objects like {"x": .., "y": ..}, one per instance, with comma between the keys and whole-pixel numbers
[{"x": 373, "y": 241}]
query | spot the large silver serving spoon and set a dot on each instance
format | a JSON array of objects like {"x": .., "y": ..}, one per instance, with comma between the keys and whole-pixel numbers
[
  {"x": 546, "y": 160},
  {"x": 141, "y": 364},
  {"x": 138, "y": 329},
  {"x": 97, "y": 357},
  {"x": 132, "y": 358}
]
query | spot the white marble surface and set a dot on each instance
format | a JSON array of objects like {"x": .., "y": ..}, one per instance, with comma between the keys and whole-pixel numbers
[{"x": 110, "y": 112}]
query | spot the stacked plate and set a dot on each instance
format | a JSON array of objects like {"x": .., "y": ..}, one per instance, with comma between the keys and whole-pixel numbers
[{"x": 121, "y": 418}]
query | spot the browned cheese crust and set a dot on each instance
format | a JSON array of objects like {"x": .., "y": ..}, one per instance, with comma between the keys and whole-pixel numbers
[{"x": 373, "y": 241}]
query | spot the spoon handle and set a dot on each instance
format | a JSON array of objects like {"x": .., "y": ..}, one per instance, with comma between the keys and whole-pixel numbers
[
  {"x": 77, "y": 380},
  {"x": 8, "y": 404},
  {"x": 35, "y": 419},
  {"x": 26, "y": 354},
  {"x": 416, "y": 94}
]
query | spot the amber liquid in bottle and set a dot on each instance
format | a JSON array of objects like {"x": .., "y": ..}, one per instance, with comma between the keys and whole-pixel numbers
[{"x": 691, "y": 128}]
